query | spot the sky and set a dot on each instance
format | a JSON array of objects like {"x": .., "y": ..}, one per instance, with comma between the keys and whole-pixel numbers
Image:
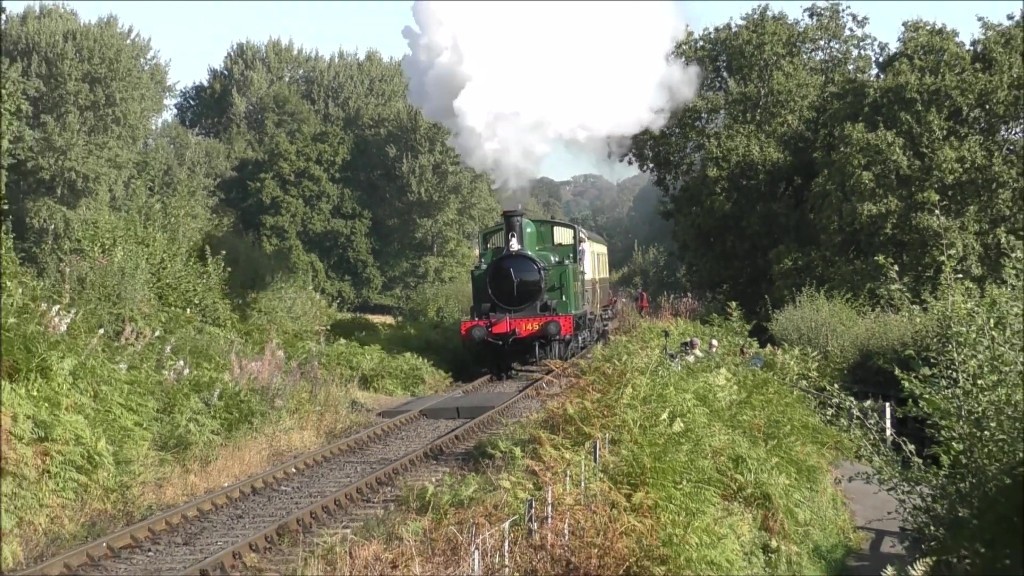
[{"x": 196, "y": 35}]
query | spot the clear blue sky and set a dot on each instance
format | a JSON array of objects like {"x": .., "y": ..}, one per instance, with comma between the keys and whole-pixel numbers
[{"x": 196, "y": 35}]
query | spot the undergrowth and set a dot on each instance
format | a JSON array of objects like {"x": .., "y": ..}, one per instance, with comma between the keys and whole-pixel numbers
[
  {"x": 957, "y": 362},
  {"x": 97, "y": 414},
  {"x": 713, "y": 467}
]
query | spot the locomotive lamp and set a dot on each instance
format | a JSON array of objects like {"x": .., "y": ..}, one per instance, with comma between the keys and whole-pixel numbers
[
  {"x": 478, "y": 333},
  {"x": 552, "y": 328}
]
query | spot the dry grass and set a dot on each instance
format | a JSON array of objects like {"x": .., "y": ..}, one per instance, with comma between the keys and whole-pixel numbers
[
  {"x": 596, "y": 543},
  {"x": 339, "y": 409},
  {"x": 435, "y": 529},
  {"x": 378, "y": 318}
]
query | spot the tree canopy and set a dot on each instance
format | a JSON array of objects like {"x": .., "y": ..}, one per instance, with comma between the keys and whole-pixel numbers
[{"x": 816, "y": 155}]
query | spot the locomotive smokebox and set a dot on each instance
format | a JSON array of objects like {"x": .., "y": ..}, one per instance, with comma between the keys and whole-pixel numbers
[{"x": 513, "y": 229}]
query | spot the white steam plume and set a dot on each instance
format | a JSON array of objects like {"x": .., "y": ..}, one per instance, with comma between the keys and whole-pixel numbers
[{"x": 513, "y": 79}]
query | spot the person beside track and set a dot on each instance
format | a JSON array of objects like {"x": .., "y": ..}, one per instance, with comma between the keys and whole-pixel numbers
[{"x": 643, "y": 302}]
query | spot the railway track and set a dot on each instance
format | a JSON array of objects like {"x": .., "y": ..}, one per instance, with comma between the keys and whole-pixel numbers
[{"x": 213, "y": 534}]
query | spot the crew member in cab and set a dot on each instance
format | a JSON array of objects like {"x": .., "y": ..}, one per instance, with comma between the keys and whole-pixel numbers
[{"x": 643, "y": 303}]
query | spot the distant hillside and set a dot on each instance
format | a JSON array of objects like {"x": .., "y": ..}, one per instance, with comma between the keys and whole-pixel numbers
[{"x": 626, "y": 212}]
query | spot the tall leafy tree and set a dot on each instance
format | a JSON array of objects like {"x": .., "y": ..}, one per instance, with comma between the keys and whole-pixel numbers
[
  {"x": 815, "y": 155},
  {"x": 91, "y": 92},
  {"x": 288, "y": 187},
  {"x": 337, "y": 170}
]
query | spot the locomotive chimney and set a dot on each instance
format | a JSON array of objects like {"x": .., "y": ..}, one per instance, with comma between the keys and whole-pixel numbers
[{"x": 513, "y": 229}]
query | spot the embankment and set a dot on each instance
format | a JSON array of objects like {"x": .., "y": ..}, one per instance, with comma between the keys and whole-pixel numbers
[{"x": 710, "y": 467}]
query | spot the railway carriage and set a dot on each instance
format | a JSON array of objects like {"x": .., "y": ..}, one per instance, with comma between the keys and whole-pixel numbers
[{"x": 540, "y": 291}]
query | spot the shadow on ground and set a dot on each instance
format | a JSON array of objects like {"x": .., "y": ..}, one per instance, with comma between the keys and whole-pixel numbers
[{"x": 883, "y": 548}]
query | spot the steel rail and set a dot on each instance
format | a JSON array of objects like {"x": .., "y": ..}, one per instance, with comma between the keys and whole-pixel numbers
[
  {"x": 138, "y": 533},
  {"x": 228, "y": 561}
]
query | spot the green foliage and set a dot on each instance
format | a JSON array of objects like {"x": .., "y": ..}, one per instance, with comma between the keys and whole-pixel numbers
[
  {"x": 813, "y": 155},
  {"x": 706, "y": 480},
  {"x": 93, "y": 90},
  {"x": 845, "y": 334},
  {"x": 337, "y": 173},
  {"x": 435, "y": 340},
  {"x": 960, "y": 363},
  {"x": 966, "y": 511},
  {"x": 653, "y": 269},
  {"x": 292, "y": 314},
  {"x": 756, "y": 494},
  {"x": 448, "y": 303}
]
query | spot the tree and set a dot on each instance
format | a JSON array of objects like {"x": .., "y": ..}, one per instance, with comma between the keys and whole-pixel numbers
[
  {"x": 336, "y": 170},
  {"x": 919, "y": 171},
  {"x": 814, "y": 155},
  {"x": 93, "y": 91},
  {"x": 547, "y": 194}
]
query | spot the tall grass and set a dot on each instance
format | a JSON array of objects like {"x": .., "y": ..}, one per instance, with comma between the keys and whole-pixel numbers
[
  {"x": 714, "y": 468},
  {"x": 95, "y": 415}
]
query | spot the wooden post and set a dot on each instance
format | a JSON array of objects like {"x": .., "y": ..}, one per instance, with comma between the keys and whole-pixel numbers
[
  {"x": 505, "y": 548},
  {"x": 547, "y": 516}
]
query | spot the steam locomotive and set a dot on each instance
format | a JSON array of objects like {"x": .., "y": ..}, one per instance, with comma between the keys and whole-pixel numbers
[{"x": 541, "y": 290}]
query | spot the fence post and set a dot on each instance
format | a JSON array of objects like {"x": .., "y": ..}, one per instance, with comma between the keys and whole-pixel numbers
[
  {"x": 547, "y": 518},
  {"x": 567, "y": 484},
  {"x": 583, "y": 474},
  {"x": 475, "y": 562},
  {"x": 597, "y": 453},
  {"x": 531, "y": 519},
  {"x": 505, "y": 548},
  {"x": 888, "y": 420}
]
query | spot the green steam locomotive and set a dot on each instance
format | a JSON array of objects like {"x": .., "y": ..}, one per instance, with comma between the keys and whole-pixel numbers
[{"x": 541, "y": 290}]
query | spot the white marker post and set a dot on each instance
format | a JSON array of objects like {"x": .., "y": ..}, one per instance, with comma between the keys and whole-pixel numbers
[{"x": 888, "y": 420}]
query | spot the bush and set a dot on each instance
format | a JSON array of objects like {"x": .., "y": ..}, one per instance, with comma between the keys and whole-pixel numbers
[
  {"x": 735, "y": 512},
  {"x": 437, "y": 341},
  {"x": 446, "y": 303},
  {"x": 855, "y": 343},
  {"x": 967, "y": 512},
  {"x": 959, "y": 361},
  {"x": 652, "y": 268}
]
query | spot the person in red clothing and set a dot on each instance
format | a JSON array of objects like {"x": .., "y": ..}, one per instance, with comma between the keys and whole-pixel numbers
[{"x": 643, "y": 303}]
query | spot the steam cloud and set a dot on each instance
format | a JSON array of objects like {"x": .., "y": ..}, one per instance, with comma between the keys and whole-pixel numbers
[{"x": 513, "y": 80}]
